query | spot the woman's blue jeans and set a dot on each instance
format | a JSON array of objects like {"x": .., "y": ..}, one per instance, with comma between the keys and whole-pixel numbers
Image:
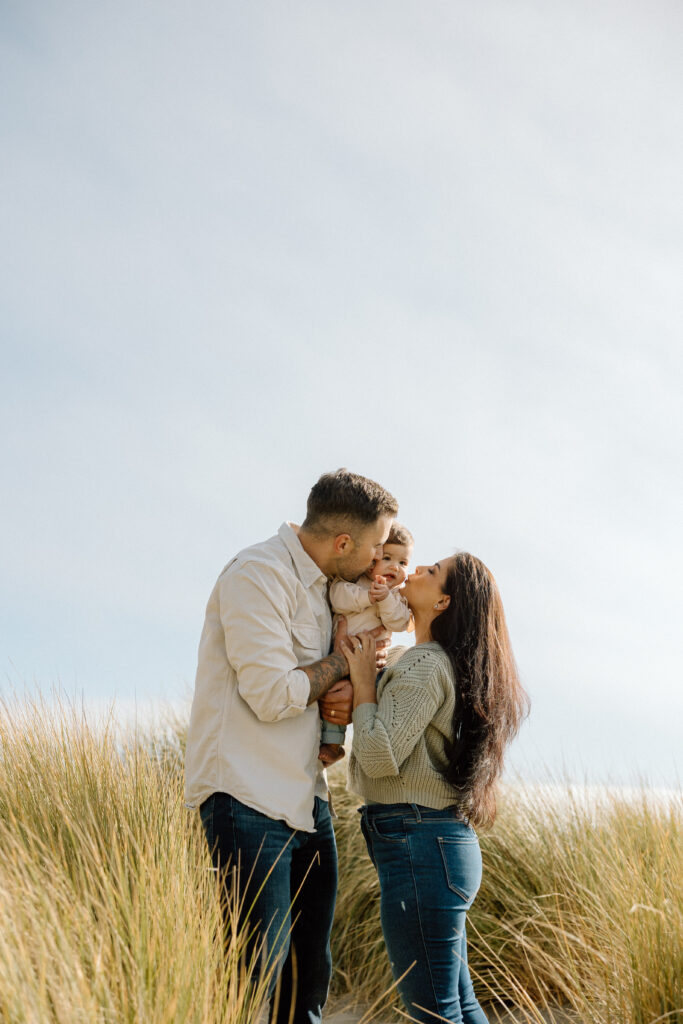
[
  {"x": 429, "y": 868},
  {"x": 287, "y": 881}
]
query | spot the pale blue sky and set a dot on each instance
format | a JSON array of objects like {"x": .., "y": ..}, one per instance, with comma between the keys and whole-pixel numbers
[{"x": 437, "y": 243}]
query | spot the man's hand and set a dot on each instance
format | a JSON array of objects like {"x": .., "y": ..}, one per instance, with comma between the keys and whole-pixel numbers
[
  {"x": 379, "y": 589},
  {"x": 335, "y": 706},
  {"x": 382, "y": 641},
  {"x": 341, "y": 632}
]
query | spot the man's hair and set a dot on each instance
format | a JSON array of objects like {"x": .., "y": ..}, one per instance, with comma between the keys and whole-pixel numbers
[
  {"x": 400, "y": 535},
  {"x": 344, "y": 502}
]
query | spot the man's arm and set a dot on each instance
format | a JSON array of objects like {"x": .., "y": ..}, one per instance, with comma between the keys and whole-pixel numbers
[
  {"x": 259, "y": 647},
  {"x": 325, "y": 673},
  {"x": 258, "y": 641},
  {"x": 337, "y": 707}
]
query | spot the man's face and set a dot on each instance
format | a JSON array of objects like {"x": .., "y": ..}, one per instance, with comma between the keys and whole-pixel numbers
[{"x": 365, "y": 550}]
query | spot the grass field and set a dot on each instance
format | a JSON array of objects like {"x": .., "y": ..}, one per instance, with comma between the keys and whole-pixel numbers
[
  {"x": 581, "y": 905},
  {"x": 109, "y": 908}
]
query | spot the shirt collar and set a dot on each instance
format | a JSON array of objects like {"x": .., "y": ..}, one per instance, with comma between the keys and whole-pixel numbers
[{"x": 306, "y": 569}]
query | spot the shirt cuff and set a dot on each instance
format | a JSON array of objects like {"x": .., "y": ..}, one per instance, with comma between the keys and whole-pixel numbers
[{"x": 298, "y": 692}]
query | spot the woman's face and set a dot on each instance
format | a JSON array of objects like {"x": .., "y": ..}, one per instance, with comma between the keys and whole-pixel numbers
[{"x": 425, "y": 587}]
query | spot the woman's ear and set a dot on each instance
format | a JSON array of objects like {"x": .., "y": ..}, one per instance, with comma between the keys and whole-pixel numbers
[{"x": 443, "y": 602}]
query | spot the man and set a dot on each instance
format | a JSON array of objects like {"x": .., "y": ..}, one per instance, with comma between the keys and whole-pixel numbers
[{"x": 252, "y": 763}]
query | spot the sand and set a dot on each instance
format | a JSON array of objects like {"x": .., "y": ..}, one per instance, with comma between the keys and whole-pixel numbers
[{"x": 346, "y": 1016}]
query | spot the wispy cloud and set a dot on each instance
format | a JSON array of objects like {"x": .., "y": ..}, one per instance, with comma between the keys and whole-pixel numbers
[{"x": 440, "y": 245}]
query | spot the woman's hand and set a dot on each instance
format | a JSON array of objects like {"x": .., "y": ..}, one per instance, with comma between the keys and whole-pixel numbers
[
  {"x": 382, "y": 641},
  {"x": 361, "y": 655}
]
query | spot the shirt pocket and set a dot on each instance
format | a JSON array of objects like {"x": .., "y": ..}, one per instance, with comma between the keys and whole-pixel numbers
[{"x": 306, "y": 640}]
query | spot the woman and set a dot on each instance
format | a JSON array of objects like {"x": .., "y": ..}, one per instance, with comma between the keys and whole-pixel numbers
[{"x": 428, "y": 747}]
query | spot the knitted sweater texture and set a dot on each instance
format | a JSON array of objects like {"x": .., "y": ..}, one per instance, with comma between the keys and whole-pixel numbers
[{"x": 398, "y": 743}]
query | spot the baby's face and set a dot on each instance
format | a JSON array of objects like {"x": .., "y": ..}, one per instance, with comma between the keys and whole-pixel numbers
[{"x": 393, "y": 564}]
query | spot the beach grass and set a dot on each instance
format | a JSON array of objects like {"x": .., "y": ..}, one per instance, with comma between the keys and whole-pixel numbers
[
  {"x": 581, "y": 906},
  {"x": 107, "y": 896},
  {"x": 110, "y": 911}
]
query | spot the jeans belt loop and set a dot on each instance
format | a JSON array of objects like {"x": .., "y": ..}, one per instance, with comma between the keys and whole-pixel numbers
[{"x": 416, "y": 810}]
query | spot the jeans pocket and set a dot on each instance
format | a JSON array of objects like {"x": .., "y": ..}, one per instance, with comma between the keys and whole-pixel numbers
[
  {"x": 462, "y": 865},
  {"x": 368, "y": 841},
  {"x": 392, "y": 828}
]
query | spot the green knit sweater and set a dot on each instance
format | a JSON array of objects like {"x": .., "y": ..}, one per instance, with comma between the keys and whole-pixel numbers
[{"x": 398, "y": 744}]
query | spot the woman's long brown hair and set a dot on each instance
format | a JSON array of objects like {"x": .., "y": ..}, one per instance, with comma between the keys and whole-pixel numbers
[{"x": 490, "y": 701}]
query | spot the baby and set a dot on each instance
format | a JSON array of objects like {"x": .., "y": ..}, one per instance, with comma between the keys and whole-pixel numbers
[{"x": 373, "y": 600}]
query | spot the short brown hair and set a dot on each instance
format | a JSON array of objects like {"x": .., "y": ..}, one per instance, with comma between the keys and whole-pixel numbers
[
  {"x": 400, "y": 535},
  {"x": 342, "y": 501}
]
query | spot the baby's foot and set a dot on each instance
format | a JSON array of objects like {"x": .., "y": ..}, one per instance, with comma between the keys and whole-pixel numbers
[{"x": 330, "y": 752}]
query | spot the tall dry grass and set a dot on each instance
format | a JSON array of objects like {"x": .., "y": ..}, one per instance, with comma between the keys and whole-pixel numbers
[
  {"x": 110, "y": 910},
  {"x": 581, "y": 906},
  {"x": 107, "y": 897}
]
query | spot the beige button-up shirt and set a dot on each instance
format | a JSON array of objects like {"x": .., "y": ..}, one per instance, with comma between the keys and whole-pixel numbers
[{"x": 251, "y": 733}]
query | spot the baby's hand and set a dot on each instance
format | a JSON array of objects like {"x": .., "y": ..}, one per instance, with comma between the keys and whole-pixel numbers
[{"x": 378, "y": 589}]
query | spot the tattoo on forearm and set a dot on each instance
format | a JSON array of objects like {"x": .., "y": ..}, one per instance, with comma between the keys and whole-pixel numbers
[{"x": 325, "y": 673}]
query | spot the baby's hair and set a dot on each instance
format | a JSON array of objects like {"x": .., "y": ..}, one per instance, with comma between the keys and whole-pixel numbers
[{"x": 399, "y": 535}]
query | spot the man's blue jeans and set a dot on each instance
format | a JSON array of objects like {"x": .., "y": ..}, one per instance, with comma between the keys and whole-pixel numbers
[
  {"x": 429, "y": 868},
  {"x": 289, "y": 880}
]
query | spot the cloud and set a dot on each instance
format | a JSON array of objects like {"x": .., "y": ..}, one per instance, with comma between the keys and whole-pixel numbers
[{"x": 245, "y": 245}]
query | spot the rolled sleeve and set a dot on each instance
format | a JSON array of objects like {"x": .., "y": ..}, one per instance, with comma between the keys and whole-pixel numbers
[{"x": 258, "y": 643}]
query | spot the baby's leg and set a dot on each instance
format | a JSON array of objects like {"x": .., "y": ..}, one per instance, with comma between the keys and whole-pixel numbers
[
  {"x": 332, "y": 733},
  {"x": 331, "y": 742}
]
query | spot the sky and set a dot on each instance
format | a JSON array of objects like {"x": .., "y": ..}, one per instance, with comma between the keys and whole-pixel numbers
[{"x": 439, "y": 244}]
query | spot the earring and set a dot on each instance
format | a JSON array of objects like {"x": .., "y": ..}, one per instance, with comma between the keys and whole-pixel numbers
[{"x": 436, "y": 605}]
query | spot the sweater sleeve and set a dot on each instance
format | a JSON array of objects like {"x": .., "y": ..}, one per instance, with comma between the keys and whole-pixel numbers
[
  {"x": 346, "y": 597},
  {"x": 394, "y": 612},
  {"x": 385, "y": 734}
]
